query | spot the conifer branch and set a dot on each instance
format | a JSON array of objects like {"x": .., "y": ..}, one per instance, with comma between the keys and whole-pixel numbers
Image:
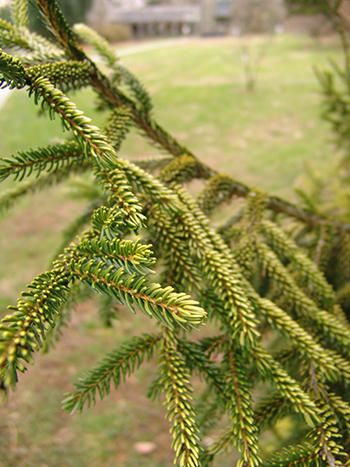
[
  {"x": 93, "y": 142},
  {"x": 87, "y": 135},
  {"x": 286, "y": 247},
  {"x": 53, "y": 334},
  {"x": 279, "y": 205},
  {"x": 156, "y": 193},
  {"x": 220, "y": 273},
  {"x": 11, "y": 36},
  {"x": 197, "y": 361},
  {"x": 323, "y": 247},
  {"x": 65, "y": 75},
  {"x": 231, "y": 229},
  {"x": 37, "y": 48},
  {"x": 244, "y": 254},
  {"x": 134, "y": 257},
  {"x": 108, "y": 221},
  {"x": 212, "y": 345},
  {"x": 342, "y": 269},
  {"x": 330, "y": 364},
  {"x": 243, "y": 431},
  {"x": 151, "y": 129},
  {"x": 141, "y": 97},
  {"x": 245, "y": 251},
  {"x": 331, "y": 327},
  {"x": 269, "y": 369},
  {"x": 302, "y": 401},
  {"x": 58, "y": 26},
  {"x": 48, "y": 159},
  {"x": 24, "y": 331},
  {"x": 65, "y": 36},
  {"x": 294, "y": 457},
  {"x": 118, "y": 126},
  {"x": 157, "y": 136},
  {"x": 91, "y": 37},
  {"x": 238, "y": 309},
  {"x": 19, "y": 13},
  {"x": 342, "y": 410},
  {"x": 12, "y": 72},
  {"x": 194, "y": 257},
  {"x": 139, "y": 92},
  {"x": 213, "y": 240},
  {"x": 181, "y": 169},
  {"x": 178, "y": 259},
  {"x": 221, "y": 188},
  {"x": 165, "y": 305},
  {"x": 121, "y": 194},
  {"x": 321, "y": 446},
  {"x": 115, "y": 367},
  {"x": 174, "y": 380},
  {"x": 270, "y": 410},
  {"x": 217, "y": 190},
  {"x": 153, "y": 163},
  {"x": 179, "y": 270}
]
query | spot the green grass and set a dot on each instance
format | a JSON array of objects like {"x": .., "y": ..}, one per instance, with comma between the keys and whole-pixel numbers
[
  {"x": 263, "y": 138},
  {"x": 199, "y": 94}
]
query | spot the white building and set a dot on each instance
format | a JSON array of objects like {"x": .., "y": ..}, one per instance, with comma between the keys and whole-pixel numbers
[
  {"x": 176, "y": 17},
  {"x": 172, "y": 19},
  {"x": 128, "y": 4}
]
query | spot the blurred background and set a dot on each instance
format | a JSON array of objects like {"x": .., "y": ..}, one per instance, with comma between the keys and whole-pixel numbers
[{"x": 235, "y": 82}]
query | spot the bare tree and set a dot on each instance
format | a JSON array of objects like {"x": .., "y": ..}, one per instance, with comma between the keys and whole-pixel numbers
[{"x": 256, "y": 17}]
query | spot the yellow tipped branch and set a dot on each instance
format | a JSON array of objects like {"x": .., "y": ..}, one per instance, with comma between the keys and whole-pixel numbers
[
  {"x": 284, "y": 245},
  {"x": 24, "y": 331},
  {"x": 174, "y": 380}
]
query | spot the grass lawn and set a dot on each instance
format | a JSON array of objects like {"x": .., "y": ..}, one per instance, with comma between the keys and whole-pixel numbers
[
  {"x": 199, "y": 94},
  {"x": 263, "y": 138}
]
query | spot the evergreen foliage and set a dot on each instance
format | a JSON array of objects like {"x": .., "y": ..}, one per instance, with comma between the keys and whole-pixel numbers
[
  {"x": 328, "y": 8},
  {"x": 274, "y": 319},
  {"x": 328, "y": 193},
  {"x": 74, "y": 10}
]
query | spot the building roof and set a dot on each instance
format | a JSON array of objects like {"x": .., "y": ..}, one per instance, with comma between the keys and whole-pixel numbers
[{"x": 153, "y": 14}]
